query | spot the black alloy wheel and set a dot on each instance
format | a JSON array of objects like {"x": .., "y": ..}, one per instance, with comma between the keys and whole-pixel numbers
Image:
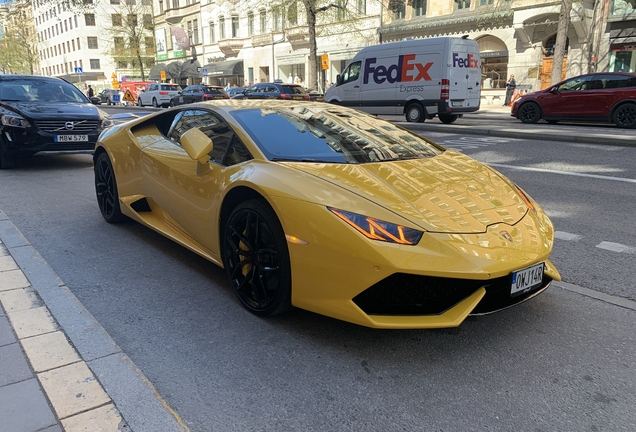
[
  {"x": 106, "y": 190},
  {"x": 529, "y": 112},
  {"x": 256, "y": 258},
  {"x": 625, "y": 116},
  {"x": 448, "y": 118},
  {"x": 415, "y": 113}
]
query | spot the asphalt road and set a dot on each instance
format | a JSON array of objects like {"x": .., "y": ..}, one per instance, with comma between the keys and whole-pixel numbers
[{"x": 563, "y": 361}]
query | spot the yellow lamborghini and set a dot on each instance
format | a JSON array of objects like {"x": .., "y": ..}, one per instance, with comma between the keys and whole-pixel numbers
[{"x": 330, "y": 210}]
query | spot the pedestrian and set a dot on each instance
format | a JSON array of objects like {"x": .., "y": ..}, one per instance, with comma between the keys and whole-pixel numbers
[
  {"x": 91, "y": 93},
  {"x": 511, "y": 85}
]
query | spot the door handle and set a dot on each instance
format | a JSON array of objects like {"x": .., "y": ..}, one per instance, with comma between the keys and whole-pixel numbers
[{"x": 356, "y": 86}]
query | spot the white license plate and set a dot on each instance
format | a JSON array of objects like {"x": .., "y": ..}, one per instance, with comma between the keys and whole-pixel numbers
[
  {"x": 458, "y": 104},
  {"x": 526, "y": 279},
  {"x": 70, "y": 138}
]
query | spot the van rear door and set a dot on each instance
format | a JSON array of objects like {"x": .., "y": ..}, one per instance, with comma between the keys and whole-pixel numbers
[{"x": 465, "y": 74}]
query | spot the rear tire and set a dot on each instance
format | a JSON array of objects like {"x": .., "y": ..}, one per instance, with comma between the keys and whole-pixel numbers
[
  {"x": 415, "y": 113},
  {"x": 154, "y": 103},
  {"x": 625, "y": 116},
  {"x": 448, "y": 118},
  {"x": 529, "y": 112},
  {"x": 256, "y": 258},
  {"x": 106, "y": 190}
]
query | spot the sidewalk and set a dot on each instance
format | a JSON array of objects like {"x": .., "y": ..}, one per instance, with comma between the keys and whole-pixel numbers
[
  {"x": 495, "y": 120},
  {"x": 60, "y": 370}
]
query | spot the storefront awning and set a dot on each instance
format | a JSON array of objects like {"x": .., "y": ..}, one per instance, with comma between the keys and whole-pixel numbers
[
  {"x": 87, "y": 76},
  {"x": 176, "y": 70},
  {"x": 155, "y": 72},
  {"x": 225, "y": 68}
]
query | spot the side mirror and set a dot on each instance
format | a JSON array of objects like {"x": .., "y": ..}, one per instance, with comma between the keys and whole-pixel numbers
[
  {"x": 198, "y": 146},
  {"x": 553, "y": 90},
  {"x": 338, "y": 79}
]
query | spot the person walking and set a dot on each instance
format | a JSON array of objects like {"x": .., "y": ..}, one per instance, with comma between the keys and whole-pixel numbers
[
  {"x": 91, "y": 93},
  {"x": 511, "y": 85}
]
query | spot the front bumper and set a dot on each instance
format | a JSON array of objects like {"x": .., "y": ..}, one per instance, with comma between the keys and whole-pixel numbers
[{"x": 27, "y": 142}]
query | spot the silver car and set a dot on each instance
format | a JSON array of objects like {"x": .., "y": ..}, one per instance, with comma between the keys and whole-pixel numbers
[{"x": 158, "y": 94}]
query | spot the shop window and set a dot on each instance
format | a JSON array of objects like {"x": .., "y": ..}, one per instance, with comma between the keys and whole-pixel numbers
[{"x": 494, "y": 62}]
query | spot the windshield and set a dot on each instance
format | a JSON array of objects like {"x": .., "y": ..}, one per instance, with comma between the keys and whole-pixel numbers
[
  {"x": 170, "y": 87},
  {"x": 38, "y": 90},
  {"x": 330, "y": 135}
]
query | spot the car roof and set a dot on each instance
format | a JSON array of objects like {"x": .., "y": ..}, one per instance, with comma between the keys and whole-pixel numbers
[{"x": 14, "y": 77}]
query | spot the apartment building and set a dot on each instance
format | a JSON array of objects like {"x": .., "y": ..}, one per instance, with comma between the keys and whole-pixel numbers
[{"x": 110, "y": 42}]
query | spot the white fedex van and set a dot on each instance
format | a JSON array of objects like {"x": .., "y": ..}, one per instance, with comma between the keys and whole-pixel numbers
[{"x": 419, "y": 78}]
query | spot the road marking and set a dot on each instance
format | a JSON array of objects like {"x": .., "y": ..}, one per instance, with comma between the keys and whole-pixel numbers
[
  {"x": 596, "y": 176},
  {"x": 562, "y": 235},
  {"x": 615, "y": 300},
  {"x": 616, "y": 247},
  {"x": 472, "y": 142}
]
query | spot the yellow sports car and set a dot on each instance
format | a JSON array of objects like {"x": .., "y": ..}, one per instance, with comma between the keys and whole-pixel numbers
[{"x": 330, "y": 210}]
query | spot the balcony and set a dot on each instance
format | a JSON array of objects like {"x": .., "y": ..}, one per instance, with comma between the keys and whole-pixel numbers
[
  {"x": 298, "y": 37},
  {"x": 231, "y": 47},
  {"x": 263, "y": 39}
]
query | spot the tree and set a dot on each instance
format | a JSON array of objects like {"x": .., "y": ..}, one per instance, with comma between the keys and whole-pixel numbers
[
  {"x": 559, "y": 45},
  {"x": 131, "y": 34},
  {"x": 18, "y": 45}
]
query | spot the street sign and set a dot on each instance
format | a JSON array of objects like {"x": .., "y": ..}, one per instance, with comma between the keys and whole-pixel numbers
[
  {"x": 123, "y": 79},
  {"x": 113, "y": 75},
  {"x": 204, "y": 71},
  {"x": 116, "y": 98},
  {"x": 162, "y": 75},
  {"x": 128, "y": 96},
  {"x": 325, "y": 61},
  {"x": 78, "y": 71}
]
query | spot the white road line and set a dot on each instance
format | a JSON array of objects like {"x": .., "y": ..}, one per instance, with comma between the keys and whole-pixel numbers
[
  {"x": 616, "y": 247},
  {"x": 615, "y": 300},
  {"x": 602, "y": 177},
  {"x": 562, "y": 235}
]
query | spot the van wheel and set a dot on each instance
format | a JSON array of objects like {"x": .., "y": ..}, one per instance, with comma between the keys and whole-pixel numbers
[
  {"x": 625, "y": 116},
  {"x": 448, "y": 118},
  {"x": 529, "y": 112},
  {"x": 334, "y": 102},
  {"x": 415, "y": 113}
]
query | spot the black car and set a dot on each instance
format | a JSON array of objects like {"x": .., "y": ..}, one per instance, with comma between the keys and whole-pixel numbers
[
  {"x": 274, "y": 91},
  {"x": 45, "y": 114},
  {"x": 106, "y": 96},
  {"x": 198, "y": 93}
]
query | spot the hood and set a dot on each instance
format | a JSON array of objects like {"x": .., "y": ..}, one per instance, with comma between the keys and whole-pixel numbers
[
  {"x": 450, "y": 193},
  {"x": 39, "y": 110}
]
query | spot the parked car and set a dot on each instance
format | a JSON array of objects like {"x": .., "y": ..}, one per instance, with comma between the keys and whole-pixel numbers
[
  {"x": 158, "y": 94},
  {"x": 274, "y": 91},
  {"x": 106, "y": 96},
  {"x": 608, "y": 97},
  {"x": 233, "y": 91},
  {"x": 45, "y": 114},
  {"x": 198, "y": 93},
  {"x": 328, "y": 209}
]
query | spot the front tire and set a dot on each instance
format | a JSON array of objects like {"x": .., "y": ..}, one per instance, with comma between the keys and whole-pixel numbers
[
  {"x": 529, "y": 112},
  {"x": 625, "y": 116},
  {"x": 106, "y": 190},
  {"x": 139, "y": 102},
  {"x": 154, "y": 103},
  {"x": 415, "y": 113},
  {"x": 256, "y": 258},
  {"x": 448, "y": 118}
]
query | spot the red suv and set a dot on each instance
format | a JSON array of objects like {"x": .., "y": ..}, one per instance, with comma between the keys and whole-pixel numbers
[{"x": 601, "y": 97}]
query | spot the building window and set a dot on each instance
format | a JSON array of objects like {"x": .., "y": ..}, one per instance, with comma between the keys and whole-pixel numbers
[
  {"x": 92, "y": 43},
  {"x": 89, "y": 19},
  {"x": 195, "y": 31},
  {"x": 485, "y": 2},
  {"x": 398, "y": 9},
  {"x": 175, "y": 4},
  {"x": 119, "y": 42},
  {"x": 419, "y": 7},
  {"x": 250, "y": 24},
  {"x": 235, "y": 26},
  {"x": 276, "y": 19},
  {"x": 132, "y": 20},
  {"x": 121, "y": 64},
  {"x": 147, "y": 20},
  {"x": 114, "y": 2},
  {"x": 130, "y": 2},
  {"x": 78, "y": 44},
  {"x": 146, "y": 2},
  {"x": 292, "y": 14},
  {"x": 189, "y": 26},
  {"x": 116, "y": 20},
  {"x": 462, "y": 4},
  {"x": 160, "y": 6},
  {"x": 263, "y": 22},
  {"x": 221, "y": 28},
  {"x": 361, "y": 7},
  {"x": 212, "y": 35},
  {"x": 149, "y": 43},
  {"x": 94, "y": 63}
]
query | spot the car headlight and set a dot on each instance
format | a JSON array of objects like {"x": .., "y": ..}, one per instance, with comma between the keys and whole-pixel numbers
[
  {"x": 15, "y": 121},
  {"x": 526, "y": 198},
  {"x": 107, "y": 122},
  {"x": 376, "y": 229}
]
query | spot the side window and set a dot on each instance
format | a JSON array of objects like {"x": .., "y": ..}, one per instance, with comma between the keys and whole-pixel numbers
[
  {"x": 251, "y": 90},
  {"x": 576, "y": 84},
  {"x": 237, "y": 152},
  {"x": 617, "y": 81},
  {"x": 352, "y": 72}
]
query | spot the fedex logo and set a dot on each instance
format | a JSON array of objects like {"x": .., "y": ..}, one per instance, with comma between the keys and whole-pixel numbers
[
  {"x": 406, "y": 69},
  {"x": 468, "y": 62}
]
